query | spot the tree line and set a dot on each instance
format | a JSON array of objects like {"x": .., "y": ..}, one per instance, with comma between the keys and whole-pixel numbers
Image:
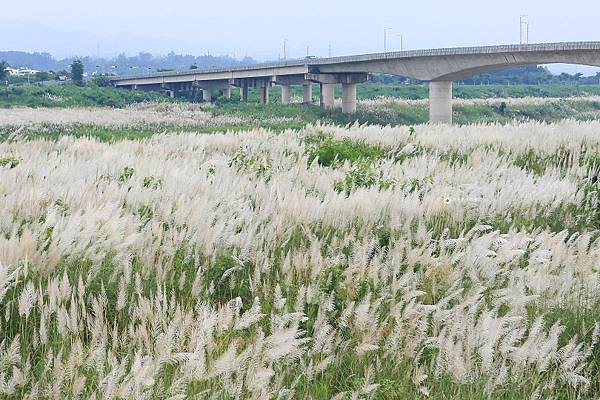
[{"x": 121, "y": 64}]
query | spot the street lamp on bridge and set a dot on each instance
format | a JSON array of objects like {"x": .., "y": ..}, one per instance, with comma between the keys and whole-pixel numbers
[
  {"x": 385, "y": 33},
  {"x": 524, "y": 35}
]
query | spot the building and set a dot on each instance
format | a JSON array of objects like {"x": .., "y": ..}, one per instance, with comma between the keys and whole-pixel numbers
[{"x": 22, "y": 71}]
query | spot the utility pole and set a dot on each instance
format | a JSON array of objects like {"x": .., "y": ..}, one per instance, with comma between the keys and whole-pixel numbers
[
  {"x": 385, "y": 31},
  {"x": 305, "y": 45},
  {"x": 285, "y": 49},
  {"x": 329, "y": 51},
  {"x": 401, "y": 42}
]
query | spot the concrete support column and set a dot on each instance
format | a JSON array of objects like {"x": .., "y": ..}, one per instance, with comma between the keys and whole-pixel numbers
[
  {"x": 244, "y": 92},
  {"x": 172, "y": 94},
  {"x": 349, "y": 98},
  {"x": 285, "y": 94},
  {"x": 328, "y": 96},
  {"x": 307, "y": 98},
  {"x": 440, "y": 102},
  {"x": 264, "y": 94},
  {"x": 227, "y": 92},
  {"x": 206, "y": 95}
]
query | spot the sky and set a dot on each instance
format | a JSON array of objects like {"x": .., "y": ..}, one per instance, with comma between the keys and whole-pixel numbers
[{"x": 258, "y": 28}]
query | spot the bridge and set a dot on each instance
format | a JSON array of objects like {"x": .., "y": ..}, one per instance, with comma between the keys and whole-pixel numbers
[{"x": 438, "y": 66}]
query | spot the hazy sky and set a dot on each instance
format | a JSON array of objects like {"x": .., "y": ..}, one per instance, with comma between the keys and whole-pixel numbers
[{"x": 257, "y": 28}]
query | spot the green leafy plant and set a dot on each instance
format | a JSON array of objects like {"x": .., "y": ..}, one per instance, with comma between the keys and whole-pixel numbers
[
  {"x": 9, "y": 162},
  {"x": 330, "y": 152},
  {"x": 126, "y": 174},
  {"x": 363, "y": 175}
]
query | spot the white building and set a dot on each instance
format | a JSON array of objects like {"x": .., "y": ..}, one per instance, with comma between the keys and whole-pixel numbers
[{"x": 22, "y": 71}]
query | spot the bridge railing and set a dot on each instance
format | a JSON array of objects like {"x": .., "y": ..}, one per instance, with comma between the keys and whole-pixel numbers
[
  {"x": 249, "y": 67},
  {"x": 512, "y": 48}
]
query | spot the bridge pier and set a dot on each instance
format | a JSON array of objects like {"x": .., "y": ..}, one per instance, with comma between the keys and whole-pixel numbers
[
  {"x": 440, "y": 102},
  {"x": 227, "y": 92},
  {"x": 348, "y": 98},
  {"x": 206, "y": 95},
  {"x": 307, "y": 95},
  {"x": 348, "y": 81},
  {"x": 285, "y": 94},
  {"x": 264, "y": 94},
  {"x": 327, "y": 96},
  {"x": 244, "y": 92}
]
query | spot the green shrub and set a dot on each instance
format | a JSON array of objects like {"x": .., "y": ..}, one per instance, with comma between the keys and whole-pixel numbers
[
  {"x": 126, "y": 174},
  {"x": 151, "y": 182},
  {"x": 9, "y": 162},
  {"x": 74, "y": 96},
  {"x": 244, "y": 162},
  {"x": 362, "y": 175},
  {"x": 330, "y": 152}
]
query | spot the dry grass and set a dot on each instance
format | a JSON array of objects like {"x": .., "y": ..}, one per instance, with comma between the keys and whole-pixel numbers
[{"x": 173, "y": 115}]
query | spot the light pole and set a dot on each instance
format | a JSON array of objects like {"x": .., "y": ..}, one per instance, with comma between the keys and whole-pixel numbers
[
  {"x": 285, "y": 49},
  {"x": 305, "y": 45},
  {"x": 401, "y": 36},
  {"x": 523, "y": 20},
  {"x": 385, "y": 31}
]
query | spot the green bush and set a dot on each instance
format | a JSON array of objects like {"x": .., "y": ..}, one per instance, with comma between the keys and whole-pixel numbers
[
  {"x": 74, "y": 96},
  {"x": 362, "y": 175},
  {"x": 126, "y": 174},
  {"x": 101, "y": 81},
  {"x": 330, "y": 151},
  {"x": 9, "y": 162}
]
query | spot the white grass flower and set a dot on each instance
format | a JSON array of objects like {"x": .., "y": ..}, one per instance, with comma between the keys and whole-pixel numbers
[
  {"x": 250, "y": 317},
  {"x": 27, "y": 299}
]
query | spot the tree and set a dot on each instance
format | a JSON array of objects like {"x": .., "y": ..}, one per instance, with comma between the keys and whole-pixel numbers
[
  {"x": 102, "y": 81},
  {"x": 3, "y": 71},
  {"x": 194, "y": 66},
  {"x": 42, "y": 76},
  {"x": 77, "y": 72}
]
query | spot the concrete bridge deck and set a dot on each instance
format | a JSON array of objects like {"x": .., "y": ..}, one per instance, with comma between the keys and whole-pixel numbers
[{"x": 438, "y": 66}]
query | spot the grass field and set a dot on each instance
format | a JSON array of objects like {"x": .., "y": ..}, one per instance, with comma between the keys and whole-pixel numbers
[
  {"x": 61, "y": 96},
  {"x": 64, "y": 96},
  {"x": 154, "y": 249},
  {"x": 147, "y": 119},
  {"x": 318, "y": 263}
]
